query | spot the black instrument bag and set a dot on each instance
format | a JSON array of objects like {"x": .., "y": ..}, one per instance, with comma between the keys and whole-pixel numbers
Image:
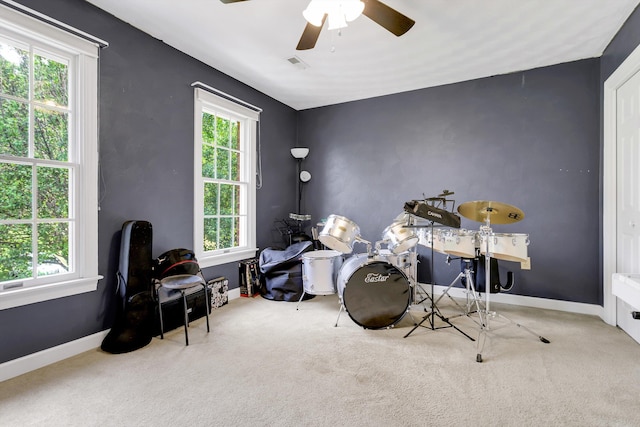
[
  {"x": 281, "y": 272},
  {"x": 134, "y": 320}
]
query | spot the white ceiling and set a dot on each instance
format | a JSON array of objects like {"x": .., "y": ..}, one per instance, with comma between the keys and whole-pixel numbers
[{"x": 452, "y": 41}]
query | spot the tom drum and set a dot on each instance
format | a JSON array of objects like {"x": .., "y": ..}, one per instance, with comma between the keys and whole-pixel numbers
[
  {"x": 461, "y": 243},
  {"x": 508, "y": 247},
  {"x": 374, "y": 293},
  {"x": 426, "y": 238},
  {"x": 339, "y": 233},
  {"x": 399, "y": 238},
  {"x": 320, "y": 270}
]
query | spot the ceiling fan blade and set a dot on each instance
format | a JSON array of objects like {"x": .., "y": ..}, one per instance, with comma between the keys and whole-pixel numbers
[
  {"x": 387, "y": 17},
  {"x": 310, "y": 35},
  {"x": 231, "y": 1}
]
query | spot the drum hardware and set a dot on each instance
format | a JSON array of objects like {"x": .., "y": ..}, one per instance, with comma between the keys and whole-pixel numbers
[
  {"x": 473, "y": 297},
  {"x": 291, "y": 230},
  {"x": 499, "y": 213},
  {"x": 435, "y": 311},
  {"x": 433, "y": 214}
]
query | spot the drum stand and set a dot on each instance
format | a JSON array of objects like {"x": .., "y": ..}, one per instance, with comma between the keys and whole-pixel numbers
[
  {"x": 473, "y": 297},
  {"x": 488, "y": 314},
  {"x": 435, "y": 311}
]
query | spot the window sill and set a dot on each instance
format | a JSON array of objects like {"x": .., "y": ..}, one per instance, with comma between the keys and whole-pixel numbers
[
  {"x": 212, "y": 261},
  {"x": 18, "y": 297}
]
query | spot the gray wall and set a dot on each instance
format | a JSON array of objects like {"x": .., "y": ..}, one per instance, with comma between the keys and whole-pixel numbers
[
  {"x": 146, "y": 158},
  {"x": 529, "y": 139}
]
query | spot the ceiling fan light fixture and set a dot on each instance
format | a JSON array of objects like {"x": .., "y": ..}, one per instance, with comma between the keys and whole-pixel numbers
[
  {"x": 339, "y": 12},
  {"x": 352, "y": 9},
  {"x": 314, "y": 13},
  {"x": 336, "y": 21}
]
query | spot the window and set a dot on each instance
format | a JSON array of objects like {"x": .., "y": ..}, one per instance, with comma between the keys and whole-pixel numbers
[
  {"x": 48, "y": 161},
  {"x": 224, "y": 180}
]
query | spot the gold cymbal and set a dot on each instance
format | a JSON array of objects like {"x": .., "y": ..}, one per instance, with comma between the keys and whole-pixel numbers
[{"x": 496, "y": 212}]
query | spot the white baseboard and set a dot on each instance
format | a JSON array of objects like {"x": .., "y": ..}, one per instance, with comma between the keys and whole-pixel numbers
[
  {"x": 31, "y": 362},
  {"x": 544, "y": 303},
  {"x": 233, "y": 293}
]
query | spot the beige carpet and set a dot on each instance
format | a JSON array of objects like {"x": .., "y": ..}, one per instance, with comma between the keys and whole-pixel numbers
[{"x": 266, "y": 364}]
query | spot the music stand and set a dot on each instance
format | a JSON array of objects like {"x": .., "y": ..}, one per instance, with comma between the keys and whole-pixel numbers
[{"x": 434, "y": 310}]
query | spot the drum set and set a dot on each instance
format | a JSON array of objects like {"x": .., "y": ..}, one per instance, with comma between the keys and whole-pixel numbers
[{"x": 377, "y": 288}]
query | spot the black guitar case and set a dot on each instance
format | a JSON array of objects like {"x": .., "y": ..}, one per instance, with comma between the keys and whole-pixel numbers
[{"x": 134, "y": 322}]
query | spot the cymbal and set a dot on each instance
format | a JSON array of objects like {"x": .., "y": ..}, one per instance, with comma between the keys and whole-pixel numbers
[{"x": 496, "y": 212}]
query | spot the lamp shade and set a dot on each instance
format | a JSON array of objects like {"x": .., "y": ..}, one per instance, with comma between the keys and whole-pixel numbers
[
  {"x": 299, "y": 152},
  {"x": 305, "y": 176}
]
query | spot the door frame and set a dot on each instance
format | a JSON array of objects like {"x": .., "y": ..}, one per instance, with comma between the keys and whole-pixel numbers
[{"x": 624, "y": 72}]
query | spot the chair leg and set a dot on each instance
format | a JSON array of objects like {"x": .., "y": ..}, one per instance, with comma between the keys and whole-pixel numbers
[
  {"x": 160, "y": 315},
  {"x": 186, "y": 318},
  {"x": 207, "y": 305}
]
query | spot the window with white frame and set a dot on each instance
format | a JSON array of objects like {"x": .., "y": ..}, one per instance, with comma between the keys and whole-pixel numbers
[
  {"x": 48, "y": 161},
  {"x": 224, "y": 180}
]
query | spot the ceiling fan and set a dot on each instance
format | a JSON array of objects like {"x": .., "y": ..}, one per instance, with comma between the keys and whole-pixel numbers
[{"x": 319, "y": 10}]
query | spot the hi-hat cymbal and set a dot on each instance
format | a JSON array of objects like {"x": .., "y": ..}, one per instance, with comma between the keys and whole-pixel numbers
[{"x": 496, "y": 212}]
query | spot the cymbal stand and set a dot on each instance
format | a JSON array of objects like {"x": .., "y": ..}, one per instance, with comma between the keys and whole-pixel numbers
[
  {"x": 435, "y": 312},
  {"x": 486, "y": 232}
]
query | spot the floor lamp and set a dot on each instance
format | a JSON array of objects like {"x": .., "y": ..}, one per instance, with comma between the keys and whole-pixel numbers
[{"x": 302, "y": 176}]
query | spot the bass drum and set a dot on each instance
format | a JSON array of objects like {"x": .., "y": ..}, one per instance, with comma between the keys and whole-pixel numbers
[{"x": 374, "y": 293}]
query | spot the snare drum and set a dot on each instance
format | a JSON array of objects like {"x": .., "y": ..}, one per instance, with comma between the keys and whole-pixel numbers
[
  {"x": 438, "y": 240},
  {"x": 461, "y": 243},
  {"x": 374, "y": 293},
  {"x": 399, "y": 238},
  {"x": 319, "y": 271},
  {"x": 508, "y": 247},
  {"x": 339, "y": 233}
]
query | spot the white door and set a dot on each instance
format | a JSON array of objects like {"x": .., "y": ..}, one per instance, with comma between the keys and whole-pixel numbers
[
  {"x": 628, "y": 176},
  {"x": 628, "y": 193}
]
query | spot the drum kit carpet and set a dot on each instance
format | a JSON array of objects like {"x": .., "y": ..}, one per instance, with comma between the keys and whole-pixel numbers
[{"x": 376, "y": 288}]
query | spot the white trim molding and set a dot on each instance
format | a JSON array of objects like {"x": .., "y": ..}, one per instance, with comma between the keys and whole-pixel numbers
[
  {"x": 628, "y": 68},
  {"x": 31, "y": 362},
  {"x": 80, "y": 52},
  {"x": 526, "y": 301}
]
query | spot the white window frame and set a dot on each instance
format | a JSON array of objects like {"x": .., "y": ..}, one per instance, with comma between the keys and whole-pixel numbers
[
  {"x": 52, "y": 36},
  {"x": 248, "y": 118}
]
